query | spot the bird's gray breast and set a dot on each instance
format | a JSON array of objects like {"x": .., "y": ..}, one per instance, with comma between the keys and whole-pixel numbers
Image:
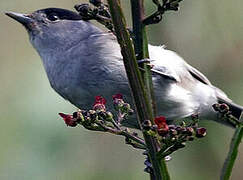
[{"x": 92, "y": 67}]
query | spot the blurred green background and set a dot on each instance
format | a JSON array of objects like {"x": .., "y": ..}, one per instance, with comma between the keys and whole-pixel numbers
[{"x": 36, "y": 144}]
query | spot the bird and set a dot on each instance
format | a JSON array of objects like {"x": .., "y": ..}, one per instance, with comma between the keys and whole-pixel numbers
[{"x": 82, "y": 61}]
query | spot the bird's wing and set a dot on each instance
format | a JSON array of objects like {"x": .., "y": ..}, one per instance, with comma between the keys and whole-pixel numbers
[
  {"x": 164, "y": 74},
  {"x": 163, "y": 63},
  {"x": 198, "y": 75},
  {"x": 169, "y": 64}
]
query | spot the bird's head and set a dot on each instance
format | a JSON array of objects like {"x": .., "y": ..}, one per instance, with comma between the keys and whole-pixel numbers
[{"x": 54, "y": 27}]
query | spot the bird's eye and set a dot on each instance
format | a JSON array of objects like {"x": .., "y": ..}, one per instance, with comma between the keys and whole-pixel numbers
[{"x": 53, "y": 17}]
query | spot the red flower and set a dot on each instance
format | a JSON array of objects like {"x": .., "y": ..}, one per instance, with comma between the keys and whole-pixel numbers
[
  {"x": 118, "y": 99},
  {"x": 100, "y": 100},
  {"x": 161, "y": 123},
  {"x": 117, "y": 96},
  {"x": 68, "y": 119},
  {"x": 99, "y": 103}
]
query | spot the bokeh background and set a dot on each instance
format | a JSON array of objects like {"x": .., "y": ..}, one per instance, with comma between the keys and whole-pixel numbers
[{"x": 35, "y": 143}]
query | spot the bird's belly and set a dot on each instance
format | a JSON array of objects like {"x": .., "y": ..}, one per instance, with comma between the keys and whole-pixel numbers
[
  {"x": 174, "y": 102},
  {"x": 82, "y": 94}
]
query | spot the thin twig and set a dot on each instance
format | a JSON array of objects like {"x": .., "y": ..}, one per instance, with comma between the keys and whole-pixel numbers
[
  {"x": 122, "y": 133},
  {"x": 230, "y": 160},
  {"x": 166, "y": 5}
]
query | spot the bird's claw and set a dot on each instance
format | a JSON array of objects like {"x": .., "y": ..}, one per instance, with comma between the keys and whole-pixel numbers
[{"x": 146, "y": 60}]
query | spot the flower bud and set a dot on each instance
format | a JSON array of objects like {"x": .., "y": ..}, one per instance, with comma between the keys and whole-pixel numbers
[
  {"x": 99, "y": 104},
  {"x": 162, "y": 132},
  {"x": 118, "y": 101},
  {"x": 69, "y": 120},
  {"x": 109, "y": 116},
  {"x": 173, "y": 132},
  {"x": 183, "y": 130},
  {"x": 93, "y": 115},
  {"x": 224, "y": 108},
  {"x": 171, "y": 126},
  {"x": 147, "y": 125},
  {"x": 190, "y": 131},
  {"x": 117, "y": 96},
  {"x": 126, "y": 107},
  {"x": 154, "y": 127},
  {"x": 215, "y": 107},
  {"x": 83, "y": 9},
  {"x": 162, "y": 126},
  {"x": 178, "y": 129},
  {"x": 201, "y": 132}
]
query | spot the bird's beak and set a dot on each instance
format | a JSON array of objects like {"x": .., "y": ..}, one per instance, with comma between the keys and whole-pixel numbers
[{"x": 24, "y": 19}]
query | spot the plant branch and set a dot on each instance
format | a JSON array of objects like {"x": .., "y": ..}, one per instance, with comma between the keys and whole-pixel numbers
[
  {"x": 141, "y": 50},
  {"x": 141, "y": 46},
  {"x": 122, "y": 133},
  {"x": 141, "y": 98},
  {"x": 134, "y": 76},
  {"x": 224, "y": 110},
  {"x": 166, "y": 5},
  {"x": 230, "y": 160}
]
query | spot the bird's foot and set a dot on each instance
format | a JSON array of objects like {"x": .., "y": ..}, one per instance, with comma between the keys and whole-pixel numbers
[{"x": 147, "y": 61}]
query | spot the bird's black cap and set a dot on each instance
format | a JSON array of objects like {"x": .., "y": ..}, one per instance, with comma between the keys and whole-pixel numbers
[{"x": 60, "y": 13}]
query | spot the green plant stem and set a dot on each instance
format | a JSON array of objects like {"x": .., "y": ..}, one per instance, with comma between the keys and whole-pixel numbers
[
  {"x": 129, "y": 58},
  {"x": 141, "y": 50},
  {"x": 141, "y": 46},
  {"x": 141, "y": 98},
  {"x": 230, "y": 160}
]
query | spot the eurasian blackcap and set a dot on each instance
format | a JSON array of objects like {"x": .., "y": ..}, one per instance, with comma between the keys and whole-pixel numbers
[{"x": 82, "y": 61}]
